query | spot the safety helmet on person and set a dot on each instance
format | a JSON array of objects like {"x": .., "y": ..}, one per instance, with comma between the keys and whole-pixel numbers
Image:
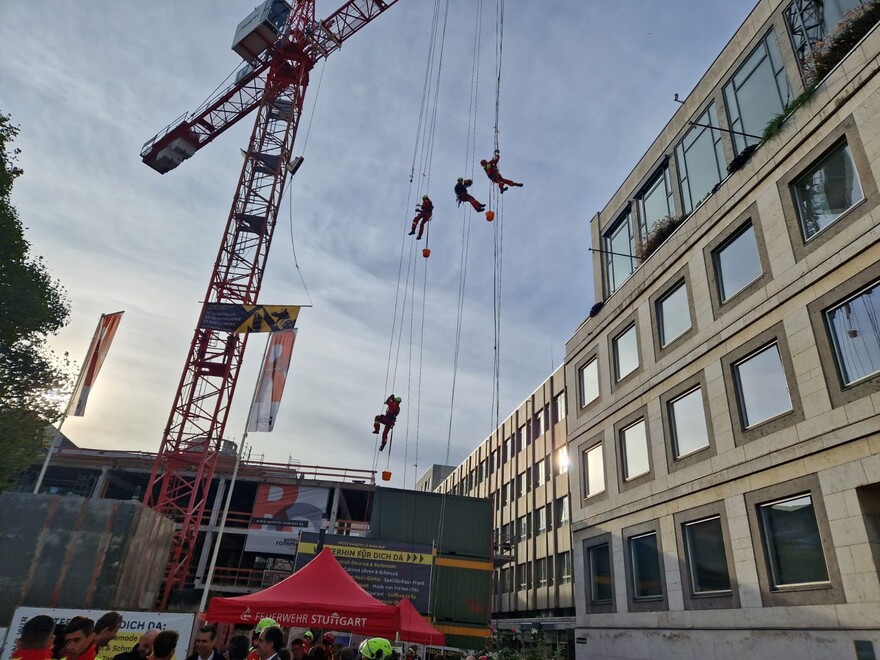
[
  {"x": 263, "y": 624},
  {"x": 308, "y": 635},
  {"x": 375, "y": 648},
  {"x": 483, "y": 162},
  {"x": 398, "y": 399},
  {"x": 424, "y": 197},
  {"x": 460, "y": 179}
]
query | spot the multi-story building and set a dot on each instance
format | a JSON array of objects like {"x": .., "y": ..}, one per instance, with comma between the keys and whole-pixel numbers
[
  {"x": 523, "y": 467},
  {"x": 724, "y": 418}
]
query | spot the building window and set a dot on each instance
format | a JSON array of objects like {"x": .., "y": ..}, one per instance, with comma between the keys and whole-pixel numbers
[
  {"x": 506, "y": 580},
  {"x": 855, "y": 335},
  {"x": 559, "y": 403},
  {"x": 594, "y": 471},
  {"x": 826, "y": 191},
  {"x": 540, "y": 520},
  {"x": 562, "y": 460},
  {"x": 700, "y": 159},
  {"x": 673, "y": 314},
  {"x": 539, "y": 422},
  {"x": 809, "y": 21},
  {"x": 634, "y": 448},
  {"x": 541, "y": 572},
  {"x": 761, "y": 386},
  {"x": 521, "y": 484},
  {"x": 523, "y": 576},
  {"x": 619, "y": 251},
  {"x": 645, "y": 565},
  {"x": 687, "y": 422},
  {"x": 599, "y": 561},
  {"x": 563, "y": 568},
  {"x": 626, "y": 352},
  {"x": 655, "y": 203},
  {"x": 521, "y": 437},
  {"x": 588, "y": 377},
  {"x": 706, "y": 557},
  {"x": 523, "y": 528},
  {"x": 540, "y": 473},
  {"x": 758, "y": 91},
  {"x": 792, "y": 542},
  {"x": 561, "y": 511},
  {"x": 737, "y": 263}
]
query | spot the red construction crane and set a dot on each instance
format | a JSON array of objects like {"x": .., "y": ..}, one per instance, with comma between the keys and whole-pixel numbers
[{"x": 281, "y": 45}]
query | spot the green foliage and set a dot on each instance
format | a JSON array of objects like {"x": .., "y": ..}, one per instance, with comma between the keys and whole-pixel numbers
[
  {"x": 33, "y": 307},
  {"x": 854, "y": 25},
  {"x": 772, "y": 129},
  {"x": 663, "y": 229}
]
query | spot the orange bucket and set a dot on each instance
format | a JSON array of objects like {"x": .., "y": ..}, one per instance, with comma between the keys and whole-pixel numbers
[
  {"x": 386, "y": 475},
  {"x": 426, "y": 252},
  {"x": 490, "y": 216}
]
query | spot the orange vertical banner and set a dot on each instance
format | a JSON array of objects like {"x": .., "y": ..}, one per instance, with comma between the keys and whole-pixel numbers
[
  {"x": 270, "y": 385},
  {"x": 94, "y": 359}
]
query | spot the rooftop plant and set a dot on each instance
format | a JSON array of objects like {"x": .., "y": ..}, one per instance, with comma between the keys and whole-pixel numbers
[{"x": 854, "y": 25}]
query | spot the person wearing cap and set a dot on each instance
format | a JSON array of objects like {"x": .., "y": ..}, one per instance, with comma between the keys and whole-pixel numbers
[
  {"x": 262, "y": 624},
  {"x": 392, "y": 410},
  {"x": 424, "y": 214},
  {"x": 462, "y": 194},
  {"x": 490, "y": 167},
  {"x": 308, "y": 639},
  {"x": 376, "y": 648}
]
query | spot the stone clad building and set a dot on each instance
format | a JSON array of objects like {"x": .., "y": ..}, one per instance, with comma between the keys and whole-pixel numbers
[{"x": 724, "y": 402}]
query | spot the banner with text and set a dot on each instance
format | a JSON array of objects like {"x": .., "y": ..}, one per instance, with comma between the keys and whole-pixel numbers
[
  {"x": 387, "y": 570},
  {"x": 280, "y": 513},
  {"x": 134, "y": 624},
  {"x": 235, "y": 317}
]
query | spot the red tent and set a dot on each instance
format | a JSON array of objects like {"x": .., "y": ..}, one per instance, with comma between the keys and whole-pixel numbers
[
  {"x": 414, "y": 628},
  {"x": 319, "y": 595}
]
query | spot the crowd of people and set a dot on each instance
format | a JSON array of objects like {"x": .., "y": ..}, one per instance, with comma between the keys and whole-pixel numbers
[{"x": 83, "y": 639}]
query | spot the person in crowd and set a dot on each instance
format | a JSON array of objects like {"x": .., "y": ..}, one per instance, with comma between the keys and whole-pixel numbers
[
  {"x": 462, "y": 194},
  {"x": 271, "y": 641},
  {"x": 424, "y": 215},
  {"x": 491, "y": 169},
  {"x": 79, "y": 639},
  {"x": 165, "y": 644},
  {"x": 143, "y": 649},
  {"x": 376, "y": 648},
  {"x": 106, "y": 630},
  {"x": 204, "y": 644},
  {"x": 392, "y": 410},
  {"x": 238, "y": 648},
  {"x": 308, "y": 638},
  {"x": 297, "y": 650},
  {"x": 58, "y": 642},
  {"x": 348, "y": 653},
  {"x": 36, "y": 638},
  {"x": 318, "y": 652},
  {"x": 262, "y": 624}
]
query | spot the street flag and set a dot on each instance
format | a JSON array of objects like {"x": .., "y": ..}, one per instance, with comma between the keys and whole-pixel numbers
[
  {"x": 94, "y": 359},
  {"x": 270, "y": 385}
]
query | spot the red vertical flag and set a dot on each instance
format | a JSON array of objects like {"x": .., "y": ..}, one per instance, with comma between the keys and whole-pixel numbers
[
  {"x": 270, "y": 385},
  {"x": 94, "y": 359}
]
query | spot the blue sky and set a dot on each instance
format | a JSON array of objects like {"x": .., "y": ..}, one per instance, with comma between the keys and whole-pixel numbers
[{"x": 586, "y": 87}]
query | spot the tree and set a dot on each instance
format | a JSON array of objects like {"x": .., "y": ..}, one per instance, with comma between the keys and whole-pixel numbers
[{"x": 33, "y": 307}]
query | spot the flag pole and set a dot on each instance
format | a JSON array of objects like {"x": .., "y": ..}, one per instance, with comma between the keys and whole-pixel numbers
[
  {"x": 239, "y": 454},
  {"x": 56, "y": 439}
]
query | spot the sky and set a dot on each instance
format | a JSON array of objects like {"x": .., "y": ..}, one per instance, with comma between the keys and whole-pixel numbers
[{"x": 586, "y": 86}]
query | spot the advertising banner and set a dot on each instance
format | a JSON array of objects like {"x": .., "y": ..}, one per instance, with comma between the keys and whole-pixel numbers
[
  {"x": 134, "y": 624},
  {"x": 270, "y": 384},
  {"x": 387, "y": 570},
  {"x": 240, "y": 318},
  {"x": 101, "y": 341},
  {"x": 281, "y": 512}
]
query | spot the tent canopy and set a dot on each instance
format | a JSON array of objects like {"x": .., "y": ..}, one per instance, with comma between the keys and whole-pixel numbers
[
  {"x": 319, "y": 595},
  {"x": 414, "y": 628}
]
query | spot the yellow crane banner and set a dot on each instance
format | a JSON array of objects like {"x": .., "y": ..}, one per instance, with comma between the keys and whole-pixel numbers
[{"x": 234, "y": 317}]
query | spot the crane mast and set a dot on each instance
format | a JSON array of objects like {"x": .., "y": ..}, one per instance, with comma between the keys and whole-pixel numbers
[{"x": 193, "y": 437}]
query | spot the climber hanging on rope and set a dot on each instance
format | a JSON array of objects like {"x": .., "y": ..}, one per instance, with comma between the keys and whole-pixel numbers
[
  {"x": 491, "y": 169},
  {"x": 462, "y": 195},
  {"x": 425, "y": 209},
  {"x": 392, "y": 410}
]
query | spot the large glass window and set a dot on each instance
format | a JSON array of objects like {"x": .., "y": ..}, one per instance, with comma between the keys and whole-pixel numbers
[
  {"x": 540, "y": 520},
  {"x": 809, "y": 21},
  {"x": 758, "y": 91},
  {"x": 524, "y": 527},
  {"x": 706, "y": 556},
  {"x": 792, "y": 541},
  {"x": 594, "y": 471},
  {"x": 737, "y": 263},
  {"x": 541, "y": 572},
  {"x": 656, "y": 202},
  {"x": 561, "y": 509},
  {"x": 619, "y": 248},
  {"x": 599, "y": 558},
  {"x": 700, "y": 159},
  {"x": 761, "y": 386},
  {"x": 559, "y": 403},
  {"x": 626, "y": 352},
  {"x": 827, "y": 191},
  {"x": 673, "y": 314},
  {"x": 589, "y": 382},
  {"x": 687, "y": 420},
  {"x": 646, "y": 569},
  {"x": 563, "y": 567},
  {"x": 634, "y": 445},
  {"x": 855, "y": 333}
]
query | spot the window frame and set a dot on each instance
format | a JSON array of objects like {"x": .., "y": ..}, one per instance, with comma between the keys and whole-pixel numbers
[
  {"x": 673, "y": 462},
  {"x": 706, "y": 600},
  {"x": 660, "y": 174},
  {"x": 652, "y": 604},
  {"x": 704, "y": 118},
  {"x": 588, "y": 544},
  {"x": 624, "y": 218},
  {"x": 583, "y": 404},
  {"x": 625, "y": 423},
  {"x": 583, "y": 450},
  {"x": 831, "y": 592},
  {"x": 680, "y": 278},
  {"x": 838, "y": 391},
  {"x": 848, "y": 131},
  {"x": 619, "y": 330}
]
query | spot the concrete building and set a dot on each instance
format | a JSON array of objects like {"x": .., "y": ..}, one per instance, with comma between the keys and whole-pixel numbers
[
  {"x": 724, "y": 402},
  {"x": 523, "y": 467}
]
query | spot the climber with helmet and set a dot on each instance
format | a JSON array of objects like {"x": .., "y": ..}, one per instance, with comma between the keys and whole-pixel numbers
[
  {"x": 391, "y": 412},
  {"x": 376, "y": 648},
  {"x": 262, "y": 624},
  {"x": 425, "y": 209},
  {"x": 462, "y": 194},
  {"x": 491, "y": 169}
]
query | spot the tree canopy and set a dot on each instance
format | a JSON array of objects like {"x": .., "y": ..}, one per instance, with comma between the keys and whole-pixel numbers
[{"x": 33, "y": 307}]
